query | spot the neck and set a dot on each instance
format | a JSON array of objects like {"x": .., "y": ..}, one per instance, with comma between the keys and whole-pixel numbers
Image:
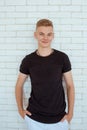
[{"x": 44, "y": 51}]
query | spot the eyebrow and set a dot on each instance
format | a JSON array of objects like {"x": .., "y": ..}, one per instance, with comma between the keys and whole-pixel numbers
[{"x": 47, "y": 33}]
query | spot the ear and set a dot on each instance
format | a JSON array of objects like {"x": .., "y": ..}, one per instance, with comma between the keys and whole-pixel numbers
[
  {"x": 53, "y": 35},
  {"x": 35, "y": 36}
]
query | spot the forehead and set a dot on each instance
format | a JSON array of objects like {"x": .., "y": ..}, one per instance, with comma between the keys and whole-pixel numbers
[{"x": 45, "y": 29}]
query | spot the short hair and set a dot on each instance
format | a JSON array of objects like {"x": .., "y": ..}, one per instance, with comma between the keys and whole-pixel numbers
[{"x": 44, "y": 22}]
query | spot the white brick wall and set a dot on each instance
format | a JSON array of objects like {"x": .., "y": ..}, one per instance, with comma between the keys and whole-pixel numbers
[{"x": 17, "y": 24}]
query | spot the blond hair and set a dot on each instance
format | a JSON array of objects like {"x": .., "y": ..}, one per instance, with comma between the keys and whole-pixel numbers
[{"x": 44, "y": 22}]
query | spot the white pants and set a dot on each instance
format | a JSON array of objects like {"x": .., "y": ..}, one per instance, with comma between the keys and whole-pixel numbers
[{"x": 35, "y": 125}]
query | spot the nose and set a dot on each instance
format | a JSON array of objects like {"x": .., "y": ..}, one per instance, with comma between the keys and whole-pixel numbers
[{"x": 45, "y": 37}]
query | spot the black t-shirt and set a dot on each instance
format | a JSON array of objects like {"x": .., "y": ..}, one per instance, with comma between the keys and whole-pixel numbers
[{"x": 47, "y": 99}]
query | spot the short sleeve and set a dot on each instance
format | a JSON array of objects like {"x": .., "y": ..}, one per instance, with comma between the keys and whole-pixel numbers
[
  {"x": 24, "y": 68},
  {"x": 66, "y": 64}
]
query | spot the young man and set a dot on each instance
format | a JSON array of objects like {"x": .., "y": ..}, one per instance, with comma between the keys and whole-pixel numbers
[{"x": 46, "y": 67}]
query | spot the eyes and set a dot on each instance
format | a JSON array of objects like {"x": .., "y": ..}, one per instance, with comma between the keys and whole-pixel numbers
[{"x": 42, "y": 34}]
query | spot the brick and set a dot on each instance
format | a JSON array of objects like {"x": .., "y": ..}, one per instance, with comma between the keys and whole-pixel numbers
[
  {"x": 85, "y": 46},
  {"x": 2, "y": 65},
  {"x": 84, "y": 34},
  {"x": 7, "y": 34},
  {"x": 76, "y": 2},
  {"x": 2, "y": 77},
  {"x": 79, "y": 27},
  {"x": 38, "y": 14},
  {"x": 11, "y": 78},
  {"x": 79, "y": 15},
  {"x": 62, "y": 40},
  {"x": 16, "y": 2},
  {"x": 2, "y": 52},
  {"x": 78, "y": 109},
  {"x": 77, "y": 126},
  {"x": 25, "y": 34},
  {"x": 71, "y": 21},
  {"x": 75, "y": 60},
  {"x": 84, "y": 21},
  {"x": 55, "y": 21},
  {"x": 7, "y": 59},
  {"x": 79, "y": 40},
  {"x": 62, "y": 28},
  {"x": 2, "y": 2},
  {"x": 2, "y": 40},
  {"x": 25, "y": 46},
  {"x": 2, "y": 27},
  {"x": 15, "y": 52},
  {"x": 84, "y": 8},
  {"x": 26, "y": 21},
  {"x": 8, "y": 47},
  {"x": 60, "y": 15},
  {"x": 7, "y": 21},
  {"x": 7, "y": 84},
  {"x": 47, "y": 8},
  {"x": 7, "y": 9},
  {"x": 16, "y": 27},
  {"x": 70, "y": 8},
  {"x": 60, "y": 2},
  {"x": 79, "y": 53},
  {"x": 70, "y": 34},
  {"x": 2, "y": 15},
  {"x": 37, "y": 2},
  {"x": 16, "y": 40},
  {"x": 16, "y": 15},
  {"x": 11, "y": 65},
  {"x": 77, "y": 65},
  {"x": 84, "y": 2},
  {"x": 73, "y": 46},
  {"x": 26, "y": 8}
]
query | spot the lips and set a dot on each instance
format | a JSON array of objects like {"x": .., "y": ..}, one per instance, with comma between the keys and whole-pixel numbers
[{"x": 45, "y": 41}]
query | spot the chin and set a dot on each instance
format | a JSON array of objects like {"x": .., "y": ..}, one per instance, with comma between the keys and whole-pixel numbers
[{"x": 45, "y": 44}]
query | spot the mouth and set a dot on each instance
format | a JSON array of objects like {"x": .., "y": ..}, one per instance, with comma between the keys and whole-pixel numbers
[{"x": 44, "y": 41}]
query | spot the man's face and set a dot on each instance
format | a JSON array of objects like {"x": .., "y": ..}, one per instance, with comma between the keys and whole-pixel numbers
[{"x": 44, "y": 36}]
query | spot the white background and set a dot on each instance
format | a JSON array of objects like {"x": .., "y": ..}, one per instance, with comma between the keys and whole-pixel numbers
[{"x": 17, "y": 24}]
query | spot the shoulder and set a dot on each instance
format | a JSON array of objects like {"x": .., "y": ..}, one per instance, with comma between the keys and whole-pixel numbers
[
  {"x": 61, "y": 54},
  {"x": 29, "y": 56}
]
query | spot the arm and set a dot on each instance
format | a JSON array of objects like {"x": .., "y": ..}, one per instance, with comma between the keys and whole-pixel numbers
[
  {"x": 19, "y": 94},
  {"x": 70, "y": 94}
]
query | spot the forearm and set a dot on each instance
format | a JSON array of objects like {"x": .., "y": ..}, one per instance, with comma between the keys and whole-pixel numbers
[
  {"x": 19, "y": 94},
  {"x": 19, "y": 97},
  {"x": 70, "y": 97}
]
